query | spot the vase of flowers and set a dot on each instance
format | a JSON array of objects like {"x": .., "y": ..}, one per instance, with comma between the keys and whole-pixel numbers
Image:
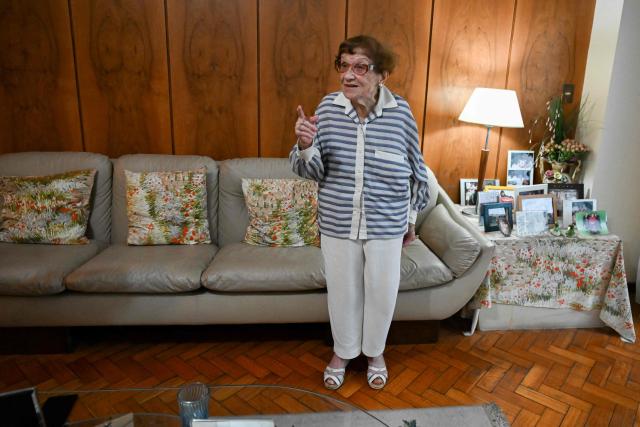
[{"x": 558, "y": 146}]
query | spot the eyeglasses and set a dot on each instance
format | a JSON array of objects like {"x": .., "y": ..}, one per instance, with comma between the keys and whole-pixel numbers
[{"x": 359, "y": 68}]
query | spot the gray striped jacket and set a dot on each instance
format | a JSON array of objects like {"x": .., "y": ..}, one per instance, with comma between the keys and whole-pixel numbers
[{"x": 371, "y": 176}]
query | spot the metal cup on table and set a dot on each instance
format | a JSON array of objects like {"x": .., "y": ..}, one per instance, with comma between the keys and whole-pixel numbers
[{"x": 193, "y": 401}]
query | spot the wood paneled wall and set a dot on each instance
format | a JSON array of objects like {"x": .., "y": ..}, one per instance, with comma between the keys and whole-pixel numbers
[{"x": 223, "y": 77}]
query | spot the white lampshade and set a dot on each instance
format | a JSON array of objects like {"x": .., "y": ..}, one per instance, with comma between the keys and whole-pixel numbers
[{"x": 493, "y": 107}]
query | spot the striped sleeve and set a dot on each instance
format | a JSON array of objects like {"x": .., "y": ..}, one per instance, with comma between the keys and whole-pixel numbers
[
  {"x": 307, "y": 163},
  {"x": 419, "y": 181}
]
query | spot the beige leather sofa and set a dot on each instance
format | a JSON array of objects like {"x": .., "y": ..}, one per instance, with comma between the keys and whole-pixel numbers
[{"x": 226, "y": 282}]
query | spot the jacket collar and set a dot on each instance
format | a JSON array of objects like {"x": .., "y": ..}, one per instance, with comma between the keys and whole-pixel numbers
[{"x": 385, "y": 100}]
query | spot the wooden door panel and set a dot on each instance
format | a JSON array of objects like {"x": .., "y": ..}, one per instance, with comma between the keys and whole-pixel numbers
[
  {"x": 38, "y": 93},
  {"x": 121, "y": 54},
  {"x": 298, "y": 43},
  {"x": 550, "y": 46},
  {"x": 406, "y": 31},
  {"x": 214, "y": 77},
  {"x": 469, "y": 49}
]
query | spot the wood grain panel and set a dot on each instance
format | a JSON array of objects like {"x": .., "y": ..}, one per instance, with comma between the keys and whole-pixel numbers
[
  {"x": 298, "y": 42},
  {"x": 406, "y": 30},
  {"x": 550, "y": 46},
  {"x": 214, "y": 77},
  {"x": 469, "y": 48},
  {"x": 121, "y": 54},
  {"x": 38, "y": 93}
]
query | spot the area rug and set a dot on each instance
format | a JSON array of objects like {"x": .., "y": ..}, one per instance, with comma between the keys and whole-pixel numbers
[{"x": 488, "y": 415}]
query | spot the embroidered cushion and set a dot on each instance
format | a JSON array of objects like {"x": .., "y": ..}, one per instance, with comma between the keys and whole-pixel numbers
[
  {"x": 167, "y": 208},
  {"x": 46, "y": 209},
  {"x": 282, "y": 212}
]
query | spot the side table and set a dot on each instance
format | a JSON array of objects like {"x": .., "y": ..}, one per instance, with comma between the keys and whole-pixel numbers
[{"x": 529, "y": 275}]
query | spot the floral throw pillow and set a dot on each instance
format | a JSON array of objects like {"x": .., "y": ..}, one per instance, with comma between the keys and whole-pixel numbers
[
  {"x": 167, "y": 208},
  {"x": 282, "y": 212},
  {"x": 50, "y": 209}
]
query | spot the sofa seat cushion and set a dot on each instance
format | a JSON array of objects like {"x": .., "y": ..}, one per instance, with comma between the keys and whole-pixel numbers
[
  {"x": 143, "y": 269},
  {"x": 240, "y": 267},
  {"x": 36, "y": 269},
  {"x": 421, "y": 268}
]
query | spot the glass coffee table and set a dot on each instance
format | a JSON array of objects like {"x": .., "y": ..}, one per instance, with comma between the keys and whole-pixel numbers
[{"x": 286, "y": 406}]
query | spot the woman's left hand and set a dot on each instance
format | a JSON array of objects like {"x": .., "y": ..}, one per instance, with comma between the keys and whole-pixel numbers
[{"x": 410, "y": 236}]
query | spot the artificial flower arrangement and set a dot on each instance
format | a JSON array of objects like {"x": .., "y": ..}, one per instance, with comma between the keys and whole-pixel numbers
[{"x": 558, "y": 145}]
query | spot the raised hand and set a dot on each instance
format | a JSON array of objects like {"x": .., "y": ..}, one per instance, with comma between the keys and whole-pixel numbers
[{"x": 305, "y": 129}]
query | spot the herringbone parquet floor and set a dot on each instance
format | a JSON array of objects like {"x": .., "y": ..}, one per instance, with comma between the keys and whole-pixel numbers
[{"x": 539, "y": 378}]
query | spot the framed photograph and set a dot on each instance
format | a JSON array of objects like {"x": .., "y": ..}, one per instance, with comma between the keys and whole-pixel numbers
[
  {"x": 520, "y": 167},
  {"x": 492, "y": 211},
  {"x": 531, "y": 223},
  {"x": 468, "y": 188},
  {"x": 591, "y": 223},
  {"x": 564, "y": 192},
  {"x": 572, "y": 207},
  {"x": 528, "y": 190},
  {"x": 506, "y": 193},
  {"x": 490, "y": 196},
  {"x": 539, "y": 202},
  {"x": 518, "y": 177}
]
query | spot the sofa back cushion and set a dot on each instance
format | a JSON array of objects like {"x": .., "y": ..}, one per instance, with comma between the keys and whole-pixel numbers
[
  {"x": 49, "y": 163},
  {"x": 233, "y": 217},
  {"x": 159, "y": 163}
]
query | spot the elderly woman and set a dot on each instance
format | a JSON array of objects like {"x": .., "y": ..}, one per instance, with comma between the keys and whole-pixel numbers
[{"x": 362, "y": 148}]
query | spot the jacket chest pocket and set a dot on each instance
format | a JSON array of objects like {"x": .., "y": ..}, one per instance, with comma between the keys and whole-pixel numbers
[{"x": 386, "y": 155}]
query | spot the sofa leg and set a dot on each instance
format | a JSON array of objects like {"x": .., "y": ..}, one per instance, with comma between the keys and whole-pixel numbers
[{"x": 34, "y": 340}]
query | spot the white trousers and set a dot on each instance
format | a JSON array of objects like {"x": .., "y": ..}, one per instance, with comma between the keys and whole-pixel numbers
[{"x": 363, "y": 277}]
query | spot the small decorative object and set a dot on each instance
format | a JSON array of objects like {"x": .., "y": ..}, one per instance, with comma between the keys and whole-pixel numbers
[
  {"x": 571, "y": 231},
  {"x": 539, "y": 202},
  {"x": 505, "y": 226},
  {"x": 193, "y": 402},
  {"x": 571, "y": 207},
  {"x": 492, "y": 211},
  {"x": 591, "y": 223},
  {"x": 531, "y": 223},
  {"x": 520, "y": 167},
  {"x": 557, "y": 145},
  {"x": 556, "y": 230}
]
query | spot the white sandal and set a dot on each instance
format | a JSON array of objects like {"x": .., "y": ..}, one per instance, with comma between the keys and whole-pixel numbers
[
  {"x": 334, "y": 374},
  {"x": 374, "y": 373}
]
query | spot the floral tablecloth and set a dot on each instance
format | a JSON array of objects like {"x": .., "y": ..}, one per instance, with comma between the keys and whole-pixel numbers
[{"x": 561, "y": 272}]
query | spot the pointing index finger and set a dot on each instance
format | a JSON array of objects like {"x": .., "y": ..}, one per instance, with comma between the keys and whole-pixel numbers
[{"x": 301, "y": 113}]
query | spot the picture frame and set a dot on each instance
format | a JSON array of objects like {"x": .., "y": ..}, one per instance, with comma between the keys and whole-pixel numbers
[
  {"x": 531, "y": 223},
  {"x": 590, "y": 224},
  {"x": 506, "y": 193},
  {"x": 539, "y": 202},
  {"x": 527, "y": 190},
  {"x": 520, "y": 167},
  {"x": 490, "y": 196},
  {"x": 564, "y": 192},
  {"x": 572, "y": 207},
  {"x": 491, "y": 212},
  {"x": 468, "y": 188}
]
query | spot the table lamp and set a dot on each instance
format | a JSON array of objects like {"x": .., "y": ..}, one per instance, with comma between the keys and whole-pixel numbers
[{"x": 491, "y": 108}]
